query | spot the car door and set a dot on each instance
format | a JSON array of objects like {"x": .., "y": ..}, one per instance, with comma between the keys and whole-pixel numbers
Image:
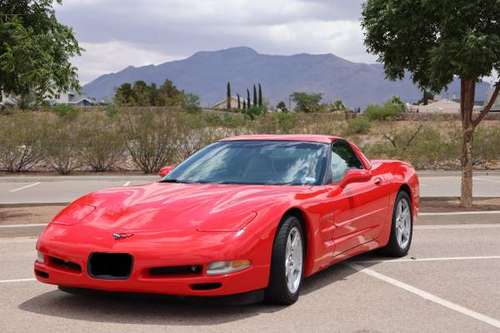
[{"x": 358, "y": 207}]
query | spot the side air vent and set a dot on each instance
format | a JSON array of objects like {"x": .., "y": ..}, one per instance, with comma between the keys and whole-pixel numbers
[{"x": 64, "y": 264}]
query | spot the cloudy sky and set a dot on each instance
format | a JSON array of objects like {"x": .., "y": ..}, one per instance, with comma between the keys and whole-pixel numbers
[{"x": 118, "y": 33}]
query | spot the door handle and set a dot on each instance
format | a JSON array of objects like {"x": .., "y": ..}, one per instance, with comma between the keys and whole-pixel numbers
[{"x": 378, "y": 180}]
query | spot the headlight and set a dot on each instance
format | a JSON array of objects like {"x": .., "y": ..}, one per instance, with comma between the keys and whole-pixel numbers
[
  {"x": 224, "y": 267},
  {"x": 40, "y": 257}
]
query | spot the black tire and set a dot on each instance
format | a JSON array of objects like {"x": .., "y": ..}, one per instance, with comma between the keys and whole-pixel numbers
[
  {"x": 394, "y": 248},
  {"x": 277, "y": 291}
]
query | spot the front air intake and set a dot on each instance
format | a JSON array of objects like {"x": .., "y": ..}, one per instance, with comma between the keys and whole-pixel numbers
[{"x": 110, "y": 266}]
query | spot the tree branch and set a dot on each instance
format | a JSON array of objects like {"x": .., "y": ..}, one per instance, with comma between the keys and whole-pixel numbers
[{"x": 488, "y": 106}]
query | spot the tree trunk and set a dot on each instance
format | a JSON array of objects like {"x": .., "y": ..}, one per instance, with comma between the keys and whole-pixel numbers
[
  {"x": 467, "y": 96},
  {"x": 466, "y": 198}
]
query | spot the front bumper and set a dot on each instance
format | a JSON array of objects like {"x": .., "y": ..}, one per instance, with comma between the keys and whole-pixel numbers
[
  {"x": 253, "y": 278},
  {"x": 147, "y": 253}
]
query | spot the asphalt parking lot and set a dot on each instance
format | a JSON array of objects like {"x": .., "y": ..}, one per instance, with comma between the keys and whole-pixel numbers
[{"x": 448, "y": 283}]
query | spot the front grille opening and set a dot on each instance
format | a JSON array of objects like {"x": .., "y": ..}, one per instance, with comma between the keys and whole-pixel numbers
[
  {"x": 175, "y": 270},
  {"x": 206, "y": 286},
  {"x": 110, "y": 265},
  {"x": 41, "y": 274},
  {"x": 65, "y": 264}
]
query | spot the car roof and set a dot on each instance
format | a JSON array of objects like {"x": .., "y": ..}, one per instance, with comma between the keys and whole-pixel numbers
[{"x": 283, "y": 137}]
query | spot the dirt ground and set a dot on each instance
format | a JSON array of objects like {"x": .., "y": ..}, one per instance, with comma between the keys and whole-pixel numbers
[
  {"x": 28, "y": 215},
  {"x": 43, "y": 214}
]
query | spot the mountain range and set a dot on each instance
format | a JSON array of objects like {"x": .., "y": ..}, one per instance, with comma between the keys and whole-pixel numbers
[{"x": 206, "y": 74}]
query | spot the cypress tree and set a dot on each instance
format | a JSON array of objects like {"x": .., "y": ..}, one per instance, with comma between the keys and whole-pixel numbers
[
  {"x": 260, "y": 95},
  {"x": 228, "y": 100},
  {"x": 249, "y": 104},
  {"x": 239, "y": 101},
  {"x": 254, "y": 95}
]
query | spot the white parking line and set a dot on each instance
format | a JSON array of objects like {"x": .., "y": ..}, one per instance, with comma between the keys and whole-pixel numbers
[
  {"x": 428, "y": 296},
  {"x": 24, "y": 187},
  {"x": 7, "y": 226},
  {"x": 479, "y": 212},
  {"x": 456, "y": 226},
  {"x": 126, "y": 184},
  {"x": 17, "y": 280},
  {"x": 375, "y": 261}
]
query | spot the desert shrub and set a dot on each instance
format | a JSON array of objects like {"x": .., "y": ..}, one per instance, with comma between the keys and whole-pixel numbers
[
  {"x": 150, "y": 139},
  {"x": 20, "y": 145},
  {"x": 486, "y": 144},
  {"x": 110, "y": 110},
  {"x": 277, "y": 122},
  {"x": 390, "y": 110},
  {"x": 358, "y": 125},
  {"x": 254, "y": 112},
  {"x": 424, "y": 147},
  {"x": 326, "y": 123},
  {"x": 103, "y": 145},
  {"x": 65, "y": 111},
  {"x": 62, "y": 146}
]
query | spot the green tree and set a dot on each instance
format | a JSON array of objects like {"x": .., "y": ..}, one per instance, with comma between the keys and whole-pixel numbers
[
  {"x": 228, "y": 96},
  {"x": 261, "y": 103},
  {"x": 282, "y": 106},
  {"x": 249, "y": 104},
  {"x": 35, "y": 50},
  {"x": 305, "y": 102},
  {"x": 239, "y": 101},
  {"x": 141, "y": 93},
  {"x": 436, "y": 41},
  {"x": 169, "y": 95},
  {"x": 426, "y": 96},
  {"x": 124, "y": 95},
  {"x": 255, "y": 101},
  {"x": 338, "y": 105}
]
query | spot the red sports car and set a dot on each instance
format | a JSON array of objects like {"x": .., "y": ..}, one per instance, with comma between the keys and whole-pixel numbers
[{"x": 245, "y": 215}]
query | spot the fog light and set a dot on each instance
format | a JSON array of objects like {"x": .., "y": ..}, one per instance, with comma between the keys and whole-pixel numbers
[
  {"x": 40, "y": 257},
  {"x": 224, "y": 267}
]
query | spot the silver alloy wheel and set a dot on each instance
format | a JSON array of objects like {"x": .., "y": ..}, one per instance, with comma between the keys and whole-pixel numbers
[
  {"x": 403, "y": 223},
  {"x": 293, "y": 260}
]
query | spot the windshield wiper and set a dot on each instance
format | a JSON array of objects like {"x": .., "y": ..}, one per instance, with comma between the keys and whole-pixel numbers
[{"x": 171, "y": 181}]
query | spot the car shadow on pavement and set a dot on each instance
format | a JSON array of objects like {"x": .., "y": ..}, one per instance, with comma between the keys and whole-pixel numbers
[{"x": 166, "y": 310}]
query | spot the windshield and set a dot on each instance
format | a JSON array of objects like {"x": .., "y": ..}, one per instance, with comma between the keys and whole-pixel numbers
[{"x": 254, "y": 162}]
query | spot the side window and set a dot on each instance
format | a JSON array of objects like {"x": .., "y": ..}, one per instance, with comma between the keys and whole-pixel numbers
[{"x": 343, "y": 159}]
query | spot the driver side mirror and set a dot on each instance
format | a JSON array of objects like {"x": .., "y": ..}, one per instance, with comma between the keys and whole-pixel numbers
[
  {"x": 355, "y": 176},
  {"x": 166, "y": 170}
]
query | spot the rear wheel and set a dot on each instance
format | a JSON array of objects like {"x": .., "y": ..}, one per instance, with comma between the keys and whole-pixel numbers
[
  {"x": 287, "y": 263},
  {"x": 402, "y": 227}
]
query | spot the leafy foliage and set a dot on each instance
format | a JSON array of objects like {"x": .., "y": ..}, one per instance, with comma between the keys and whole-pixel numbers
[
  {"x": 434, "y": 40},
  {"x": 390, "y": 110},
  {"x": 35, "y": 50},
  {"x": 358, "y": 125},
  {"x": 281, "y": 106},
  {"x": 142, "y": 94},
  {"x": 305, "y": 102}
]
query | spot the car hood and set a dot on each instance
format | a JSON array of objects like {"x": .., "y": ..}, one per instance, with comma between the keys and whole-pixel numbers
[{"x": 168, "y": 207}]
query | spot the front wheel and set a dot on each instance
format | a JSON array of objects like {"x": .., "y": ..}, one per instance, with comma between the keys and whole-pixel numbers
[
  {"x": 402, "y": 227},
  {"x": 287, "y": 263}
]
